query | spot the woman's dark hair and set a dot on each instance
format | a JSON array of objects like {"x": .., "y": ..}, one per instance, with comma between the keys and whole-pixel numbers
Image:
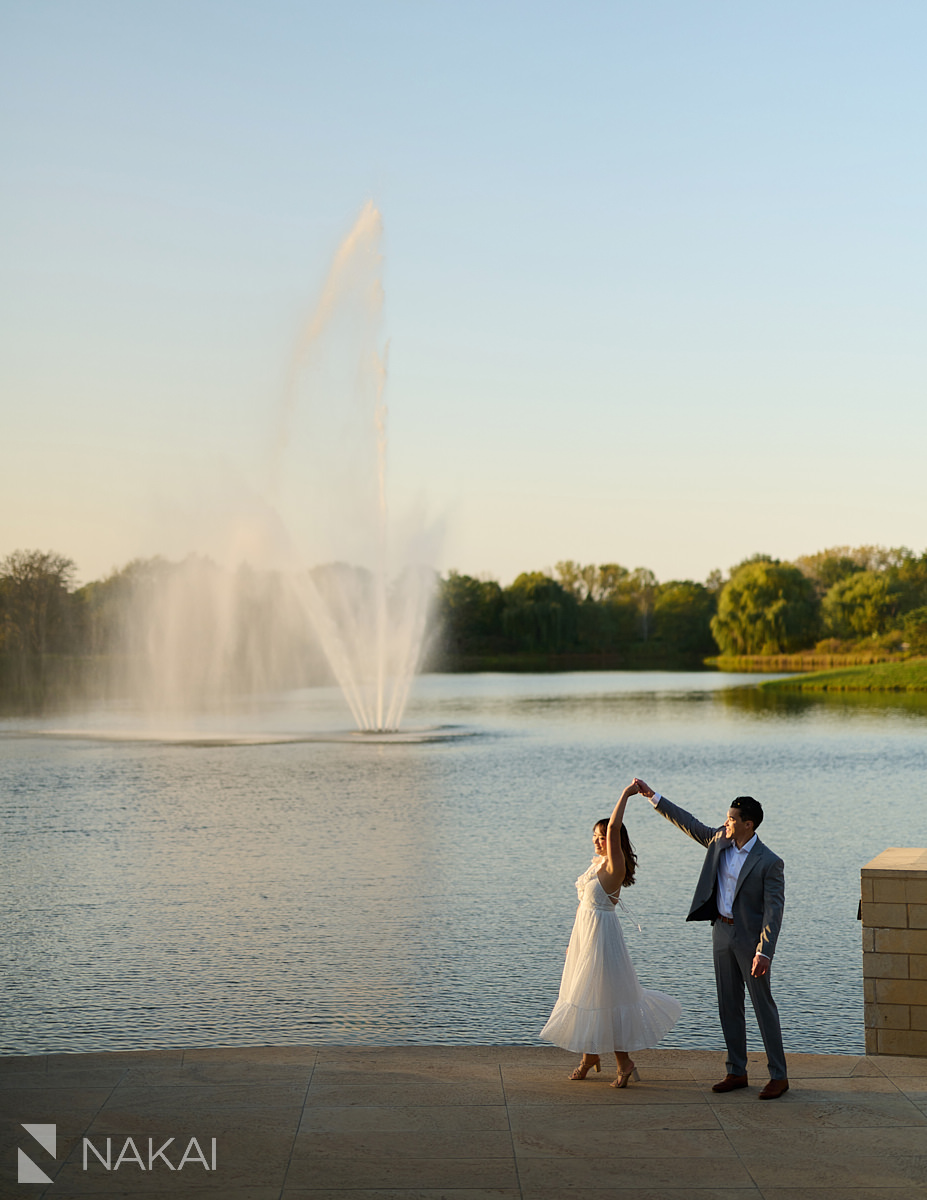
[
  {"x": 750, "y": 809},
  {"x": 630, "y": 858}
]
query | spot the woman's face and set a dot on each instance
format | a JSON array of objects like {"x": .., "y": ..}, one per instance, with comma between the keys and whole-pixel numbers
[{"x": 598, "y": 840}]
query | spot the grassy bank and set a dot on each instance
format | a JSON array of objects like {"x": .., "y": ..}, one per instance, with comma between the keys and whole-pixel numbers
[
  {"x": 808, "y": 660},
  {"x": 909, "y": 676}
]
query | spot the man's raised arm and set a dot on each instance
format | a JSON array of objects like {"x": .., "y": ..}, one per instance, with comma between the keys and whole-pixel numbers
[{"x": 696, "y": 829}]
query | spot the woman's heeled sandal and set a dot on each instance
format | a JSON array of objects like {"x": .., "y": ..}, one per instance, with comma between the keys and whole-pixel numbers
[
  {"x": 625, "y": 1076},
  {"x": 585, "y": 1067}
]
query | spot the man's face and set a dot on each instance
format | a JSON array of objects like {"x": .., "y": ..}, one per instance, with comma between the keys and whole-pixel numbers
[{"x": 736, "y": 828}]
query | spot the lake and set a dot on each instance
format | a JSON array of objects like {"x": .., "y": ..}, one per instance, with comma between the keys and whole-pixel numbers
[{"x": 189, "y": 884}]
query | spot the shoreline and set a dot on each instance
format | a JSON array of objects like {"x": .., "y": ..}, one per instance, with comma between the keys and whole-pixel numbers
[
  {"x": 907, "y": 676},
  {"x": 179, "y": 1057}
]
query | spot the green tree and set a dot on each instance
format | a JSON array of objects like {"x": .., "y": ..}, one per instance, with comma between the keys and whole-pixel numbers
[
  {"x": 608, "y": 619},
  {"x": 915, "y": 630},
  {"x": 470, "y": 611},
  {"x": 539, "y": 614},
  {"x": 715, "y": 582},
  {"x": 606, "y": 626},
  {"x": 37, "y": 619},
  {"x": 106, "y": 604},
  {"x": 828, "y": 567},
  {"x": 861, "y": 605},
  {"x": 635, "y": 589},
  {"x": 910, "y": 579},
  {"x": 641, "y": 587},
  {"x": 682, "y": 615},
  {"x": 610, "y": 580},
  {"x": 881, "y": 558},
  {"x": 35, "y": 602},
  {"x": 754, "y": 558},
  {"x": 766, "y": 607},
  {"x": 580, "y": 581}
]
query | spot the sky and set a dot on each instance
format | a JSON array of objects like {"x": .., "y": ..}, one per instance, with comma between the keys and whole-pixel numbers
[{"x": 655, "y": 273}]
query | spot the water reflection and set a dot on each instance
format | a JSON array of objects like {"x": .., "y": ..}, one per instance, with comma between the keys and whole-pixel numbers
[{"x": 842, "y": 705}]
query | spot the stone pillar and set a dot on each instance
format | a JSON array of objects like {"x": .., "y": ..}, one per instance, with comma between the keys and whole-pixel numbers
[{"x": 894, "y": 912}]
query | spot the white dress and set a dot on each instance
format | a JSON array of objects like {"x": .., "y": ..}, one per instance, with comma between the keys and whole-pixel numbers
[{"x": 602, "y": 1006}]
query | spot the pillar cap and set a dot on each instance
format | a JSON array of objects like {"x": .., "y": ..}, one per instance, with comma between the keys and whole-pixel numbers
[{"x": 898, "y": 858}]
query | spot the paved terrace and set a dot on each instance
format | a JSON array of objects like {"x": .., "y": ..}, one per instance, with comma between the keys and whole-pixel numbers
[{"x": 467, "y": 1123}]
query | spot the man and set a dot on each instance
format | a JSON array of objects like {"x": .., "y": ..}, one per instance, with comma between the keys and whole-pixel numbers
[{"x": 741, "y": 891}]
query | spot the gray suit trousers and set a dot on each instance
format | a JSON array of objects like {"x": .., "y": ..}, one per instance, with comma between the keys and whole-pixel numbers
[{"x": 732, "y": 973}]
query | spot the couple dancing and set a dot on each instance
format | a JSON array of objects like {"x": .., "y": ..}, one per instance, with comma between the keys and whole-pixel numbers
[{"x": 602, "y": 1007}]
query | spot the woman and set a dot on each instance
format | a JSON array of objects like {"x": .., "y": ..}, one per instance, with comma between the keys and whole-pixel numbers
[{"x": 602, "y": 1006}]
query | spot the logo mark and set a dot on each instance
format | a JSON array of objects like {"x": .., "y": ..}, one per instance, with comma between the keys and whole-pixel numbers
[{"x": 46, "y": 1136}]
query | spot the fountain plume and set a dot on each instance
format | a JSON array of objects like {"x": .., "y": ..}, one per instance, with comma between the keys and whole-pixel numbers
[
  {"x": 370, "y": 617},
  {"x": 261, "y": 612}
]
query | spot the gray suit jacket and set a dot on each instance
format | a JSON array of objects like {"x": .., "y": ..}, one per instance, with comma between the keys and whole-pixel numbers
[{"x": 759, "y": 898}]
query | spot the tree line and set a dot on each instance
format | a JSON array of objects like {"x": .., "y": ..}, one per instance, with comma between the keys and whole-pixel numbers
[
  {"x": 576, "y": 610},
  {"x": 836, "y": 601}
]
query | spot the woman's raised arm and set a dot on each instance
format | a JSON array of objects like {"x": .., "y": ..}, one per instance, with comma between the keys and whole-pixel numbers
[{"x": 615, "y": 864}]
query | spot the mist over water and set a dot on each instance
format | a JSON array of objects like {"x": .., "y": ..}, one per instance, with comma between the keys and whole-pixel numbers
[{"x": 308, "y": 579}]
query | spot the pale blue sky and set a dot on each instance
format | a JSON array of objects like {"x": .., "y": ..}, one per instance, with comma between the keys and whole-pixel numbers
[{"x": 656, "y": 272}]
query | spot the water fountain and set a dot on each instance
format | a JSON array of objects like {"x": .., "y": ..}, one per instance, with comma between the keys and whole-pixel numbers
[
  {"x": 370, "y": 618},
  {"x": 260, "y": 612}
]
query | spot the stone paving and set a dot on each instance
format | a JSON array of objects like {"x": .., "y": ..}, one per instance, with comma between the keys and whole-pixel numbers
[{"x": 466, "y": 1123}]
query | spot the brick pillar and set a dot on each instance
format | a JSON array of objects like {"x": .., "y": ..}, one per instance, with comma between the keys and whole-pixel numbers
[{"x": 894, "y": 912}]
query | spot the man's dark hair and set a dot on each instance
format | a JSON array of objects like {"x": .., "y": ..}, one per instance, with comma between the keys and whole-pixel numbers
[{"x": 750, "y": 809}]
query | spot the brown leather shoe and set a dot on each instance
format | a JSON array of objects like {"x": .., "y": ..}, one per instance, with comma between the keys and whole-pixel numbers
[
  {"x": 774, "y": 1089},
  {"x": 730, "y": 1083}
]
